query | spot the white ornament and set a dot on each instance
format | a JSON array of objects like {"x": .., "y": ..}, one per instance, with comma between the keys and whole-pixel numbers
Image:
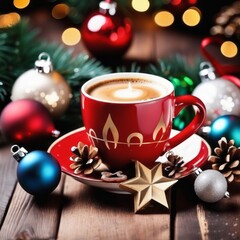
[
  {"x": 44, "y": 85},
  {"x": 220, "y": 96}
]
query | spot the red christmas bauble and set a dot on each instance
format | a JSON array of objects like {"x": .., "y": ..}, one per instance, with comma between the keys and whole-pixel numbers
[
  {"x": 26, "y": 121},
  {"x": 106, "y": 32}
]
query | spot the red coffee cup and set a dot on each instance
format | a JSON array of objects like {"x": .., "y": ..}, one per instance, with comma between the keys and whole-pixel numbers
[{"x": 127, "y": 129}]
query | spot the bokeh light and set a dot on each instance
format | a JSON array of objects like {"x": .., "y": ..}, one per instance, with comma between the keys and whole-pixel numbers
[
  {"x": 176, "y": 2},
  {"x": 60, "y": 11},
  {"x": 20, "y": 4},
  {"x": 192, "y": 16},
  {"x": 192, "y": 1},
  {"x": 164, "y": 19},
  {"x": 140, "y": 5},
  {"x": 71, "y": 36},
  {"x": 9, "y": 20},
  {"x": 229, "y": 49}
]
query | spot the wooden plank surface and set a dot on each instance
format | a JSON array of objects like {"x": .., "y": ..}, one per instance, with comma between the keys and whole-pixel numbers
[
  {"x": 30, "y": 217},
  {"x": 91, "y": 213},
  {"x": 7, "y": 179}
]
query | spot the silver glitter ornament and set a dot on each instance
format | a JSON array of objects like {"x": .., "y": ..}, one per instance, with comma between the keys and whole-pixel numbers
[
  {"x": 219, "y": 95},
  {"x": 210, "y": 186}
]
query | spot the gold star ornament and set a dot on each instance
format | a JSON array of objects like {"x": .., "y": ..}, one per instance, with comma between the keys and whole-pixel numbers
[{"x": 147, "y": 185}]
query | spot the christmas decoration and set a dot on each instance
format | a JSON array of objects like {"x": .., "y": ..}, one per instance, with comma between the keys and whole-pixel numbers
[
  {"x": 76, "y": 69},
  {"x": 85, "y": 158},
  {"x": 113, "y": 177},
  {"x": 219, "y": 95},
  {"x": 227, "y": 126},
  {"x": 173, "y": 165},
  {"x": 176, "y": 70},
  {"x": 183, "y": 118},
  {"x": 18, "y": 58},
  {"x": 26, "y": 121},
  {"x": 227, "y": 160},
  {"x": 222, "y": 54},
  {"x": 106, "y": 32},
  {"x": 148, "y": 184},
  {"x": 38, "y": 172},
  {"x": 182, "y": 85},
  {"x": 44, "y": 85},
  {"x": 210, "y": 186}
]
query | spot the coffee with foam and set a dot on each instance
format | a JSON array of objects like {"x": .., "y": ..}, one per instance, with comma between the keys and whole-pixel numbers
[{"x": 126, "y": 90}]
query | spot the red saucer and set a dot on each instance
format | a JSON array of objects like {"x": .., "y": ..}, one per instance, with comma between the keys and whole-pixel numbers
[{"x": 194, "y": 151}]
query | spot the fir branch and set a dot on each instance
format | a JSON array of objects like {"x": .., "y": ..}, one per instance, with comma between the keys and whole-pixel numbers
[
  {"x": 176, "y": 66},
  {"x": 134, "y": 67},
  {"x": 3, "y": 92},
  {"x": 20, "y": 47}
]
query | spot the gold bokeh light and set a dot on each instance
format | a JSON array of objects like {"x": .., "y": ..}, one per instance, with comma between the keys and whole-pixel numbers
[
  {"x": 164, "y": 19},
  {"x": 192, "y": 16},
  {"x": 229, "y": 49},
  {"x": 140, "y": 5},
  {"x": 71, "y": 36},
  {"x": 20, "y": 4},
  {"x": 9, "y": 20},
  {"x": 60, "y": 11}
]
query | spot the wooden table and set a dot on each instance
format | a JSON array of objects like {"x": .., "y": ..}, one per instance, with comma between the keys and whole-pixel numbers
[{"x": 76, "y": 211}]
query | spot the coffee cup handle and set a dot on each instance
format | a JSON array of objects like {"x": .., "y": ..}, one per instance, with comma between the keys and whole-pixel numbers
[{"x": 198, "y": 120}]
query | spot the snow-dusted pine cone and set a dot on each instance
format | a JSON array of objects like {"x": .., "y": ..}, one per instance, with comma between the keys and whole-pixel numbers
[
  {"x": 173, "y": 166},
  {"x": 227, "y": 160},
  {"x": 85, "y": 159}
]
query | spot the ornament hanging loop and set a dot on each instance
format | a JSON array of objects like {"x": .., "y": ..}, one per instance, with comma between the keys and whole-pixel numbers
[
  {"x": 206, "y": 72},
  {"x": 18, "y": 153},
  {"x": 43, "y": 64}
]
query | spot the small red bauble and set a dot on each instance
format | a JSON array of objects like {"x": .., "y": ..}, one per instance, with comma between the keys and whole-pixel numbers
[
  {"x": 106, "y": 32},
  {"x": 26, "y": 121}
]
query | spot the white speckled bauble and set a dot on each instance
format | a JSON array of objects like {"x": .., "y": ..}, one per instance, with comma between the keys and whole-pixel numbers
[
  {"x": 43, "y": 85},
  {"x": 210, "y": 186},
  {"x": 220, "y": 96}
]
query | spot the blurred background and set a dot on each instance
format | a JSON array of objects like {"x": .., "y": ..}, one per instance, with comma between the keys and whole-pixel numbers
[
  {"x": 61, "y": 21},
  {"x": 82, "y": 39}
]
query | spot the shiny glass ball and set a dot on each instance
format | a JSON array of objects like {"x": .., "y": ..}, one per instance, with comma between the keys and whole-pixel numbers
[
  {"x": 50, "y": 89},
  {"x": 220, "y": 97},
  {"x": 38, "y": 173},
  {"x": 107, "y": 35},
  {"x": 227, "y": 126}
]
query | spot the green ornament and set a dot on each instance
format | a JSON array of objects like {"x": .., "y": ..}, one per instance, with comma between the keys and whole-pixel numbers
[
  {"x": 182, "y": 85},
  {"x": 183, "y": 118}
]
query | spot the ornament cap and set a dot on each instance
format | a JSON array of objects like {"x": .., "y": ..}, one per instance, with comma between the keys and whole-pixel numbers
[
  {"x": 206, "y": 72},
  {"x": 18, "y": 153},
  {"x": 197, "y": 171},
  {"x": 55, "y": 133},
  {"x": 108, "y": 6},
  {"x": 43, "y": 65}
]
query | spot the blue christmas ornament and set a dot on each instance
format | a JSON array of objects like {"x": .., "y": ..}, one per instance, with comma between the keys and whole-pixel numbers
[
  {"x": 227, "y": 126},
  {"x": 38, "y": 172}
]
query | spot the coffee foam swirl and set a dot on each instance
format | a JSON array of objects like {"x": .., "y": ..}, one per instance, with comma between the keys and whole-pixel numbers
[{"x": 126, "y": 90}]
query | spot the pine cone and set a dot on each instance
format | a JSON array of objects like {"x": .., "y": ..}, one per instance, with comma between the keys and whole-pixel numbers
[
  {"x": 173, "y": 166},
  {"x": 85, "y": 158},
  {"x": 227, "y": 160}
]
